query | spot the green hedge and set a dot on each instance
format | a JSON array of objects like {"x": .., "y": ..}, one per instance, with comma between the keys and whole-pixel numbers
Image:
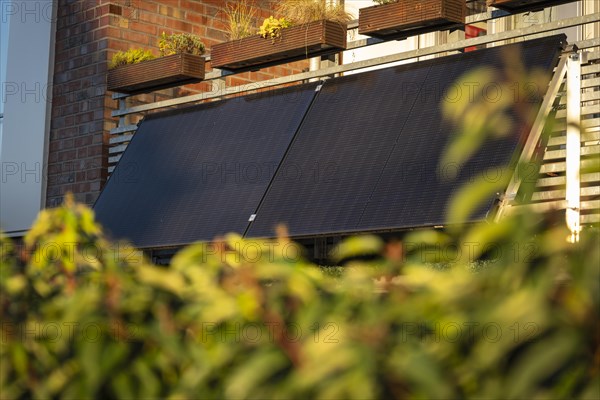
[{"x": 86, "y": 318}]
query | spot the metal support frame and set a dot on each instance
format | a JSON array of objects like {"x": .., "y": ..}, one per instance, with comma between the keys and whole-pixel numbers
[
  {"x": 569, "y": 66},
  {"x": 573, "y": 146},
  {"x": 534, "y": 136}
]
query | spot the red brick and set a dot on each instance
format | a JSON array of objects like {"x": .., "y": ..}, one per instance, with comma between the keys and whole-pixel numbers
[
  {"x": 154, "y": 19},
  {"x": 135, "y": 37},
  {"x": 193, "y": 6},
  {"x": 103, "y": 10},
  {"x": 199, "y": 30},
  {"x": 201, "y": 20},
  {"x": 82, "y": 141},
  {"x": 177, "y": 25},
  {"x": 144, "y": 27},
  {"x": 145, "y": 5},
  {"x": 67, "y": 155}
]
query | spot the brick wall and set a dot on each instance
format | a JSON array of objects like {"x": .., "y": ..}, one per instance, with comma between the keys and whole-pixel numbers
[{"x": 88, "y": 33}]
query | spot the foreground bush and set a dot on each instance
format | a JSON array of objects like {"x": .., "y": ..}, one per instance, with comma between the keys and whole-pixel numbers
[
  {"x": 86, "y": 318},
  {"x": 510, "y": 309}
]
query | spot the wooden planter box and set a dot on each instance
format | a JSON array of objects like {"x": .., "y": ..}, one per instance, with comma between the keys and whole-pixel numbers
[
  {"x": 159, "y": 73},
  {"x": 411, "y": 17},
  {"x": 295, "y": 43},
  {"x": 517, "y": 6}
]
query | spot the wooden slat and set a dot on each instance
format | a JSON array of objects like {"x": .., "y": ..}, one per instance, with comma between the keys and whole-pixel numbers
[
  {"x": 593, "y": 55},
  {"x": 560, "y": 180},
  {"x": 117, "y": 149},
  {"x": 590, "y": 218},
  {"x": 114, "y": 159},
  {"x": 590, "y": 205},
  {"x": 552, "y": 206},
  {"x": 590, "y": 69},
  {"x": 538, "y": 207},
  {"x": 560, "y": 166},
  {"x": 560, "y": 193},
  {"x": 587, "y": 110},
  {"x": 591, "y": 134},
  {"x": 123, "y": 129},
  {"x": 116, "y": 139},
  {"x": 560, "y": 126},
  {"x": 585, "y": 96},
  {"x": 586, "y": 44},
  {"x": 590, "y": 82},
  {"x": 558, "y": 154}
]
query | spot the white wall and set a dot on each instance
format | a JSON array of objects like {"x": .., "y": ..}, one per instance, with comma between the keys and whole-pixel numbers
[
  {"x": 378, "y": 50},
  {"x": 4, "y": 24},
  {"x": 25, "y": 92}
]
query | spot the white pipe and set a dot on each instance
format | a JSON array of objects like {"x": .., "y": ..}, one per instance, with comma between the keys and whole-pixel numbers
[{"x": 573, "y": 146}]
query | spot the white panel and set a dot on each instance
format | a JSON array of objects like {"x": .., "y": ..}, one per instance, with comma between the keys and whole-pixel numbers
[
  {"x": 26, "y": 94},
  {"x": 378, "y": 50}
]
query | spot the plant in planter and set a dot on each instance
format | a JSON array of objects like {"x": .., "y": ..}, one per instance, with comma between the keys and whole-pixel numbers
[
  {"x": 137, "y": 71},
  {"x": 393, "y": 19},
  {"x": 180, "y": 43},
  {"x": 517, "y": 6},
  {"x": 240, "y": 20},
  {"x": 307, "y": 11},
  {"x": 131, "y": 56},
  {"x": 303, "y": 29},
  {"x": 271, "y": 27}
]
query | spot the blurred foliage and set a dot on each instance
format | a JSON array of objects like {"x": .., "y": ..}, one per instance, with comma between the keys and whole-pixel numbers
[
  {"x": 508, "y": 310},
  {"x": 83, "y": 317},
  {"x": 499, "y": 102}
]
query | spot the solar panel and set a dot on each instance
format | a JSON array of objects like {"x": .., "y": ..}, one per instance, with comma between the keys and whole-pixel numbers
[
  {"x": 366, "y": 155},
  {"x": 414, "y": 190},
  {"x": 335, "y": 161},
  {"x": 199, "y": 172}
]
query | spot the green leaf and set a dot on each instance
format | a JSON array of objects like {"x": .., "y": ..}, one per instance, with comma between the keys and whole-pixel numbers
[
  {"x": 357, "y": 246},
  {"x": 470, "y": 197},
  {"x": 253, "y": 373}
]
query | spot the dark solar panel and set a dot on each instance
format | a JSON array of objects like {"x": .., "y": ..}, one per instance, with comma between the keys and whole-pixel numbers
[
  {"x": 414, "y": 189},
  {"x": 334, "y": 164},
  {"x": 199, "y": 172},
  {"x": 366, "y": 156}
]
